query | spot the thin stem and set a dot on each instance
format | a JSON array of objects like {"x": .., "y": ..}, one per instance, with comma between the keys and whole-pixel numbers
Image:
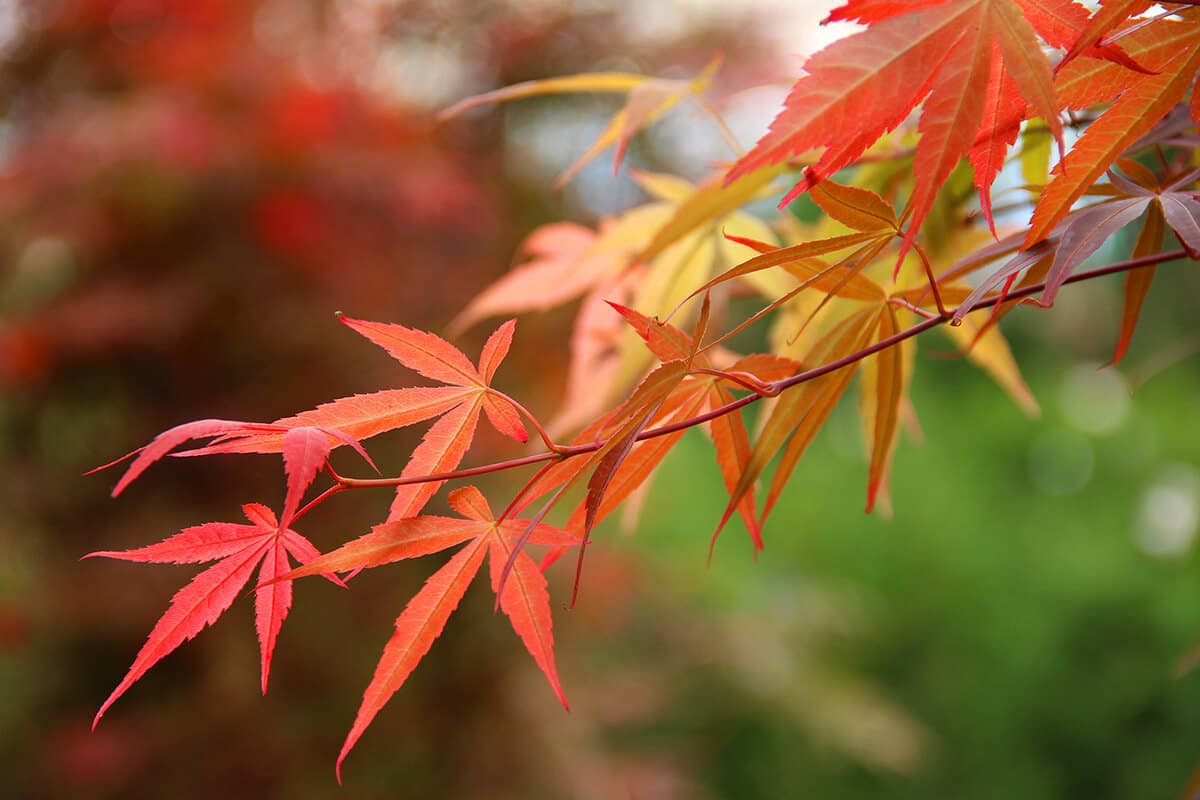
[
  {"x": 743, "y": 379},
  {"x": 321, "y": 498},
  {"x": 408, "y": 480},
  {"x": 569, "y": 451},
  {"x": 920, "y": 312},
  {"x": 551, "y": 445},
  {"x": 937, "y": 295},
  {"x": 512, "y": 504}
]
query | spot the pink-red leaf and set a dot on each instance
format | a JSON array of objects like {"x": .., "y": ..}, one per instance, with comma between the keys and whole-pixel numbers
[
  {"x": 441, "y": 450},
  {"x": 304, "y": 453},
  {"x": 194, "y": 607},
  {"x": 359, "y": 416},
  {"x": 271, "y": 603},
  {"x": 192, "y": 545},
  {"x": 394, "y": 541},
  {"x": 527, "y": 603},
  {"x": 421, "y": 622},
  {"x": 562, "y": 266},
  {"x": 425, "y": 353},
  {"x": 239, "y": 548},
  {"x": 168, "y": 440}
]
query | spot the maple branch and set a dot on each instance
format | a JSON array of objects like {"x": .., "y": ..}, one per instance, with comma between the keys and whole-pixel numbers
[
  {"x": 770, "y": 389},
  {"x": 470, "y": 472}
]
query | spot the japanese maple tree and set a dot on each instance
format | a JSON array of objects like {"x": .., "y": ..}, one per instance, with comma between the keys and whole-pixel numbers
[{"x": 897, "y": 133}]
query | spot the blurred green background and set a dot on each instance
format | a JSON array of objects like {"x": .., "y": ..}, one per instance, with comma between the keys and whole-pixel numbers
[{"x": 190, "y": 189}]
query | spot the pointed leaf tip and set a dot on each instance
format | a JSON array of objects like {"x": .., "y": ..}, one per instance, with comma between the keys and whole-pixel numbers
[
  {"x": 171, "y": 438},
  {"x": 305, "y": 451}
]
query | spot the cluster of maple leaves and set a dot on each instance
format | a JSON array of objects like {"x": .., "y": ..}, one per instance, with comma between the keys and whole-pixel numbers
[{"x": 650, "y": 354}]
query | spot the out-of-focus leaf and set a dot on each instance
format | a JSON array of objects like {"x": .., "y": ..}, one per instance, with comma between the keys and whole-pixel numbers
[
  {"x": 837, "y": 281},
  {"x": 989, "y": 351},
  {"x": 708, "y": 203},
  {"x": 648, "y": 99},
  {"x": 563, "y": 265}
]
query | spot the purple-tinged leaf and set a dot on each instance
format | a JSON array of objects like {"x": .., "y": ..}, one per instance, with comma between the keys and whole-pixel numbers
[
  {"x": 1182, "y": 212},
  {"x": 1127, "y": 186},
  {"x": 1021, "y": 261},
  {"x": 1083, "y": 233}
]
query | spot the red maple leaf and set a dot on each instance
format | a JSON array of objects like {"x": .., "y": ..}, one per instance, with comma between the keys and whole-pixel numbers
[
  {"x": 237, "y": 548},
  {"x": 523, "y": 597},
  {"x": 973, "y": 62},
  {"x": 457, "y": 404}
]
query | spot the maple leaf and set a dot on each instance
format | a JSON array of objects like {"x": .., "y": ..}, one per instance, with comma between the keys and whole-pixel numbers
[
  {"x": 171, "y": 438},
  {"x": 265, "y": 543},
  {"x": 1110, "y": 14},
  {"x": 564, "y": 263},
  {"x": 883, "y": 385},
  {"x": 1142, "y": 102},
  {"x": 448, "y": 439},
  {"x": 523, "y": 596},
  {"x": 1137, "y": 282},
  {"x": 698, "y": 394},
  {"x": 457, "y": 405},
  {"x": 648, "y": 99},
  {"x": 1082, "y": 232},
  {"x": 800, "y": 412},
  {"x": 973, "y": 59}
]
